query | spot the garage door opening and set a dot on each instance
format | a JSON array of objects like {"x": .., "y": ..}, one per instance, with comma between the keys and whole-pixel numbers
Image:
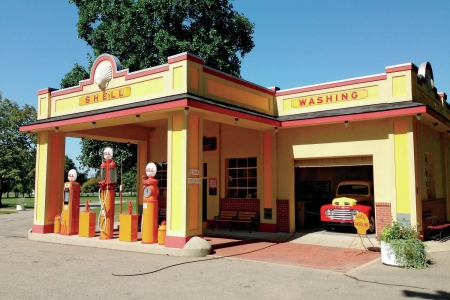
[{"x": 316, "y": 182}]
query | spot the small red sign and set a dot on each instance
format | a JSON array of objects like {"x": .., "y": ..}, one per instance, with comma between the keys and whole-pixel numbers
[{"x": 212, "y": 183}]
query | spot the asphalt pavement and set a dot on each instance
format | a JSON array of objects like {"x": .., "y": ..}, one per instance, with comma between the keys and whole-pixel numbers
[{"x": 38, "y": 270}]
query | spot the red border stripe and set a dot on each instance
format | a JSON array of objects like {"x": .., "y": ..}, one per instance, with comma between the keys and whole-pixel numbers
[
  {"x": 356, "y": 117},
  {"x": 332, "y": 85}
]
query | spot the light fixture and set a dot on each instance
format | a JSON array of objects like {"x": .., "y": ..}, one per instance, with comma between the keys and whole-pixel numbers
[
  {"x": 56, "y": 129},
  {"x": 82, "y": 139},
  {"x": 94, "y": 124},
  {"x": 276, "y": 129},
  {"x": 128, "y": 144},
  {"x": 419, "y": 116},
  {"x": 28, "y": 133},
  {"x": 236, "y": 120},
  {"x": 186, "y": 110},
  {"x": 138, "y": 117},
  {"x": 346, "y": 123},
  {"x": 435, "y": 125}
]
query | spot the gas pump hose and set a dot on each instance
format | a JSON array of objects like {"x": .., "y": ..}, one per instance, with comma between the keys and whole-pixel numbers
[{"x": 102, "y": 209}]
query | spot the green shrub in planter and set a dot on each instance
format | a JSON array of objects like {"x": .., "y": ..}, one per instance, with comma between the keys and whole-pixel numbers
[{"x": 408, "y": 249}]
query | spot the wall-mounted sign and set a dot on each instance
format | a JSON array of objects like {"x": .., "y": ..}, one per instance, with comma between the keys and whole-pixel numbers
[
  {"x": 105, "y": 96},
  {"x": 194, "y": 180},
  {"x": 194, "y": 172},
  {"x": 212, "y": 182},
  {"x": 329, "y": 98},
  {"x": 209, "y": 143}
]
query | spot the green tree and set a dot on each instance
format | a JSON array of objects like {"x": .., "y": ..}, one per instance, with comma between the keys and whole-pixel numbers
[
  {"x": 74, "y": 77},
  {"x": 17, "y": 150},
  {"x": 144, "y": 33},
  {"x": 90, "y": 186},
  {"x": 92, "y": 156}
]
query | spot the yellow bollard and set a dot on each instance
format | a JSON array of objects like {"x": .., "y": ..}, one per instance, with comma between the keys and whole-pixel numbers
[
  {"x": 162, "y": 233},
  {"x": 57, "y": 225}
]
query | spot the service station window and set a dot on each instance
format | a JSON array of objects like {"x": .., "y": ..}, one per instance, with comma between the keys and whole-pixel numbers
[
  {"x": 429, "y": 175},
  {"x": 161, "y": 176},
  {"x": 242, "y": 177}
]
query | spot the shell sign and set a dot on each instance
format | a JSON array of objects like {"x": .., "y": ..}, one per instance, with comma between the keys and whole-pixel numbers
[{"x": 361, "y": 223}]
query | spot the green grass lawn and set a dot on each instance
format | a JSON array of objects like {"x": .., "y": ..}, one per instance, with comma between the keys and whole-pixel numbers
[{"x": 9, "y": 204}]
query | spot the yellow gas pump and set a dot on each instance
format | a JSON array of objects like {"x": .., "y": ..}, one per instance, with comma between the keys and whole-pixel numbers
[
  {"x": 150, "y": 206},
  {"x": 71, "y": 205},
  {"x": 108, "y": 177}
]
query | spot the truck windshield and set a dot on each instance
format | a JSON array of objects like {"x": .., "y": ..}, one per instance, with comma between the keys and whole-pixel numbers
[{"x": 353, "y": 189}]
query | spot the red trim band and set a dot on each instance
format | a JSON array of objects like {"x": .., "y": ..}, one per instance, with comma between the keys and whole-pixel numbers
[
  {"x": 332, "y": 85},
  {"x": 357, "y": 117}
]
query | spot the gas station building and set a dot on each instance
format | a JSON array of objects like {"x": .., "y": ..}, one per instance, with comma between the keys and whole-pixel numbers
[{"x": 230, "y": 144}]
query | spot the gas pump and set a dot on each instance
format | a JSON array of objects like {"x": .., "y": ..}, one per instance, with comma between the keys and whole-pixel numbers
[
  {"x": 71, "y": 205},
  {"x": 106, "y": 194},
  {"x": 150, "y": 206}
]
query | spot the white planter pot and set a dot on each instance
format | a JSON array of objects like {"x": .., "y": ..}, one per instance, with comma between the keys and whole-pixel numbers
[
  {"x": 387, "y": 255},
  {"x": 20, "y": 207}
]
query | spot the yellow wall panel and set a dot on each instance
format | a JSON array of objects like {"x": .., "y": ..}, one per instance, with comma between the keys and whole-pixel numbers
[
  {"x": 43, "y": 107},
  {"x": 399, "y": 86},
  {"x": 177, "y": 78},
  {"x": 194, "y": 78},
  {"x": 238, "y": 95}
]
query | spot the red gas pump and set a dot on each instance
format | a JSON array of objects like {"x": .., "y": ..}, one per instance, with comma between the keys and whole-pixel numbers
[
  {"x": 71, "y": 205},
  {"x": 108, "y": 177},
  {"x": 150, "y": 206}
]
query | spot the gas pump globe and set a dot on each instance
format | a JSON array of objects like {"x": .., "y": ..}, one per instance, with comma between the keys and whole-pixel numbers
[
  {"x": 108, "y": 177},
  {"x": 150, "y": 206},
  {"x": 108, "y": 168}
]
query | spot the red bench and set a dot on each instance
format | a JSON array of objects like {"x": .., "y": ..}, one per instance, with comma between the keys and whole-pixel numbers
[
  {"x": 434, "y": 225},
  {"x": 237, "y": 217}
]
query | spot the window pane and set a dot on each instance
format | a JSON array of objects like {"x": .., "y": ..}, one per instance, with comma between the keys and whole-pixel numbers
[
  {"x": 242, "y": 193},
  {"x": 232, "y": 193},
  {"x": 242, "y": 163},
  {"x": 232, "y": 163},
  {"x": 242, "y": 173},
  {"x": 252, "y": 182},
  {"x": 251, "y": 172},
  {"x": 242, "y": 182},
  {"x": 252, "y": 192},
  {"x": 252, "y": 162}
]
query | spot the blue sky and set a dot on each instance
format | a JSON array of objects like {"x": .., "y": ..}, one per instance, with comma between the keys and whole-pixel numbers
[{"x": 297, "y": 43}]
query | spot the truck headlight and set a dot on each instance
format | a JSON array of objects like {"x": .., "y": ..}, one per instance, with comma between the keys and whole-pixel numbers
[
  {"x": 355, "y": 212},
  {"x": 328, "y": 212}
]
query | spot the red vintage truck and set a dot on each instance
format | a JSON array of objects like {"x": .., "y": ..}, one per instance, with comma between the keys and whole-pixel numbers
[{"x": 351, "y": 198}]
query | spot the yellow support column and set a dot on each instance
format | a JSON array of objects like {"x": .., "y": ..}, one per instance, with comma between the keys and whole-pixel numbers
[
  {"x": 184, "y": 180},
  {"x": 49, "y": 180},
  {"x": 404, "y": 179}
]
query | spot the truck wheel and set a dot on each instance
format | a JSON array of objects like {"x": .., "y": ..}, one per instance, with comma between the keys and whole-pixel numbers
[{"x": 372, "y": 225}]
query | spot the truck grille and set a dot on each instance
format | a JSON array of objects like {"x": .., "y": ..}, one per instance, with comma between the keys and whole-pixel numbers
[{"x": 343, "y": 215}]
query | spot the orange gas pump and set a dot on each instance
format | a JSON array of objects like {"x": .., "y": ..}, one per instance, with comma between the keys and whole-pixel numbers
[
  {"x": 108, "y": 177},
  {"x": 71, "y": 205},
  {"x": 150, "y": 206}
]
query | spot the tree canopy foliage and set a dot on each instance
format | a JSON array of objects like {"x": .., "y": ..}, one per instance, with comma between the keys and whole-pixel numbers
[
  {"x": 17, "y": 150},
  {"x": 144, "y": 33},
  {"x": 125, "y": 157}
]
